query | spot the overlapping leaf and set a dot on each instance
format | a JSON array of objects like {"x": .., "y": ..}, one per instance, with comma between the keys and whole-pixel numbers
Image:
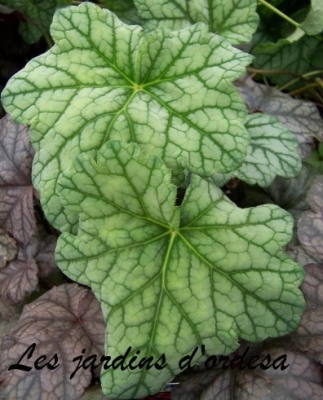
[
  {"x": 9, "y": 315},
  {"x": 301, "y": 380},
  {"x": 316, "y": 158},
  {"x": 289, "y": 194},
  {"x": 309, "y": 335},
  {"x": 310, "y": 225},
  {"x": 8, "y": 248},
  {"x": 272, "y": 151},
  {"x": 125, "y": 10},
  {"x": 207, "y": 272},
  {"x": 18, "y": 278},
  {"x": 300, "y": 117},
  {"x": 63, "y": 321},
  {"x": 38, "y": 14},
  {"x": 313, "y": 24},
  {"x": 16, "y": 190},
  {"x": 291, "y": 57},
  {"x": 41, "y": 249},
  {"x": 298, "y": 253},
  {"x": 232, "y": 19},
  {"x": 169, "y": 91},
  {"x": 94, "y": 393}
]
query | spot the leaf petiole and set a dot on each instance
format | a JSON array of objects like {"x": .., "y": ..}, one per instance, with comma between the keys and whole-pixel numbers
[{"x": 281, "y": 14}]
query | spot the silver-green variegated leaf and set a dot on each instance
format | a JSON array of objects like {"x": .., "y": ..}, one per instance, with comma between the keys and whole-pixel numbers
[
  {"x": 301, "y": 117},
  {"x": 169, "y": 278},
  {"x": 236, "y": 20},
  {"x": 313, "y": 24},
  {"x": 171, "y": 92},
  {"x": 272, "y": 152}
]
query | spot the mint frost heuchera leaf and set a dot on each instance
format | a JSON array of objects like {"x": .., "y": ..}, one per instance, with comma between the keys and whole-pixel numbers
[
  {"x": 313, "y": 23},
  {"x": 272, "y": 152},
  {"x": 207, "y": 272},
  {"x": 300, "y": 117},
  {"x": 169, "y": 91},
  {"x": 232, "y": 19}
]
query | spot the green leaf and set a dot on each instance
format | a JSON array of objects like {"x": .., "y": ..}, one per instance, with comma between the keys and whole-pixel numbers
[
  {"x": 38, "y": 13},
  {"x": 291, "y": 57},
  {"x": 125, "y": 10},
  {"x": 169, "y": 91},
  {"x": 300, "y": 117},
  {"x": 236, "y": 21},
  {"x": 272, "y": 152},
  {"x": 313, "y": 23},
  {"x": 316, "y": 160},
  {"x": 174, "y": 277}
]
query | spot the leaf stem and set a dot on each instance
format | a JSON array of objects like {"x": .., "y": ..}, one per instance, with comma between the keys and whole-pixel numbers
[
  {"x": 272, "y": 71},
  {"x": 304, "y": 76},
  {"x": 48, "y": 39},
  {"x": 281, "y": 14},
  {"x": 304, "y": 88}
]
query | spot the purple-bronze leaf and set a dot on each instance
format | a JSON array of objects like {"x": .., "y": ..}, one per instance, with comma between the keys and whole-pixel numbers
[
  {"x": 300, "y": 117},
  {"x": 42, "y": 248},
  {"x": 298, "y": 253},
  {"x": 95, "y": 393},
  {"x": 58, "y": 325},
  {"x": 310, "y": 225},
  {"x": 309, "y": 335},
  {"x": 18, "y": 278},
  {"x": 16, "y": 190},
  {"x": 295, "y": 377},
  {"x": 9, "y": 315},
  {"x": 8, "y": 248}
]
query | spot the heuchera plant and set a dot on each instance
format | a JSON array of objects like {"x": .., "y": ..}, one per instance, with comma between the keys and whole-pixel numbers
[{"x": 120, "y": 118}]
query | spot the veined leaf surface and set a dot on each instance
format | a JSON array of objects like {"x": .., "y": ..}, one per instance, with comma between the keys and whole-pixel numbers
[
  {"x": 170, "y": 278},
  {"x": 171, "y": 92},
  {"x": 272, "y": 151},
  {"x": 236, "y": 20}
]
